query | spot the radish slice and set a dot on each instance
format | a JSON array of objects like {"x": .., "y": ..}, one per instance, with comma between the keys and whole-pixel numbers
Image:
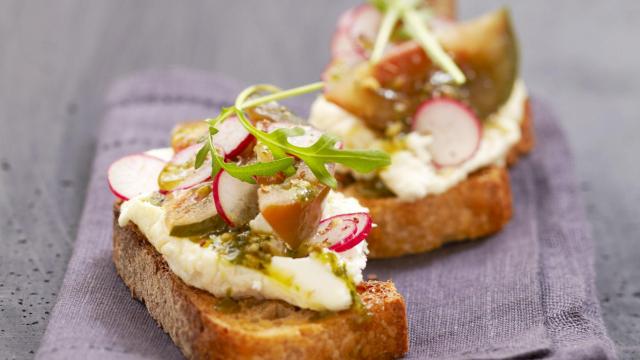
[
  {"x": 342, "y": 45},
  {"x": 356, "y": 27},
  {"x": 164, "y": 154},
  {"x": 236, "y": 201},
  {"x": 344, "y": 231},
  {"x": 455, "y": 128},
  {"x": 200, "y": 175},
  {"x": 310, "y": 136},
  {"x": 346, "y": 19},
  {"x": 186, "y": 155},
  {"x": 180, "y": 173},
  {"x": 134, "y": 175},
  {"x": 232, "y": 138},
  {"x": 364, "y": 27},
  {"x": 337, "y": 227}
]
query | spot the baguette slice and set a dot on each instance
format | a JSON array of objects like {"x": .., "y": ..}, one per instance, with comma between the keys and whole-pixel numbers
[
  {"x": 478, "y": 206},
  {"x": 205, "y": 327}
]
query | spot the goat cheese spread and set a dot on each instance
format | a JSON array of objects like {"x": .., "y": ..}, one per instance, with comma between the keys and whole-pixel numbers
[
  {"x": 412, "y": 175},
  {"x": 306, "y": 282}
]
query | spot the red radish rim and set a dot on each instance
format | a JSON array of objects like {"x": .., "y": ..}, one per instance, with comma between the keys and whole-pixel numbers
[
  {"x": 197, "y": 174},
  {"x": 116, "y": 193},
  {"x": 358, "y": 9},
  {"x": 351, "y": 242},
  {"x": 111, "y": 188},
  {"x": 191, "y": 151},
  {"x": 442, "y": 99},
  {"x": 236, "y": 147},
  {"x": 355, "y": 239},
  {"x": 217, "y": 202},
  {"x": 240, "y": 148},
  {"x": 350, "y": 221},
  {"x": 465, "y": 108}
]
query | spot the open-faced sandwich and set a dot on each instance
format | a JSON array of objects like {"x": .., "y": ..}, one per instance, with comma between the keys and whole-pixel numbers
[
  {"x": 444, "y": 98},
  {"x": 239, "y": 247}
]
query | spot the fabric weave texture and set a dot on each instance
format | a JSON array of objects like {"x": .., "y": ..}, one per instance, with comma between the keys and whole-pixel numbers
[{"x": 527, "y": 292}]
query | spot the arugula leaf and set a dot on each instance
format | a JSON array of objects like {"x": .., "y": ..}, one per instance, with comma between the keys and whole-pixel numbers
[
  {"x": 201, "y": 156},
  {"x": 324, "y": 152},
  {"x": 318, "y": 155},
  {"x": 362, "y": 161},
  {"x": 246, "y": 173}
]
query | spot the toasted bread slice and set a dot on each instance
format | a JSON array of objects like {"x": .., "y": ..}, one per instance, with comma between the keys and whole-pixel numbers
[
  {"x": 476, "y": 207},
  {"x": 206, "y": 327}
]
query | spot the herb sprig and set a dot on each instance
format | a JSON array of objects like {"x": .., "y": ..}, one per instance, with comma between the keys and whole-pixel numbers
[
  {"x": 317, "y": 156},
  {"x": 408, "y": 12}
]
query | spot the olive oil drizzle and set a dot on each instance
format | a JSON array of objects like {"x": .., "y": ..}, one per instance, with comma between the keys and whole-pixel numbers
[
  {"x": 339, "y": 269},
  {"x": 247, "y": 248}
]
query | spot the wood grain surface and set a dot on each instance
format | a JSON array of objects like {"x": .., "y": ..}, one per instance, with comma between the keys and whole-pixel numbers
[{"x": 57, "y": 59}]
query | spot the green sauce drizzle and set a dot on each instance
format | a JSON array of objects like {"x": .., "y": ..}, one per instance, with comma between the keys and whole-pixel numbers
[{"x": 340, "y": 270}]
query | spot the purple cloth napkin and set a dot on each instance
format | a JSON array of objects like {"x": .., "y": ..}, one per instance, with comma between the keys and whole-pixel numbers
[{"x": 527, "y": 292}]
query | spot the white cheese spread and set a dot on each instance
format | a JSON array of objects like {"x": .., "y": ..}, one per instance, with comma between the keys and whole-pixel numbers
[
  {"x": 305, "y": 282},
  {"x": 411, "y": 174}
]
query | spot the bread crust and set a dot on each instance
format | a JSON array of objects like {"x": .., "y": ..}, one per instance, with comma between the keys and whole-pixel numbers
[
  {"x": 256, "y": 329},
  {"x": 476, "y": 207}
]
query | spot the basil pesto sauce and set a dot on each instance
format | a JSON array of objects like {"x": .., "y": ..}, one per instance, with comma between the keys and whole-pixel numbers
[
  {"x": 340, "y": 270},
  {"x": 242, "y": 246},
  {"x": 247, "y": 248}
]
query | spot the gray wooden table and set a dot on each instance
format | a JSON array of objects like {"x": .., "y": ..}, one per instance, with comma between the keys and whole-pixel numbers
[{"x": 57, "y": 58}]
